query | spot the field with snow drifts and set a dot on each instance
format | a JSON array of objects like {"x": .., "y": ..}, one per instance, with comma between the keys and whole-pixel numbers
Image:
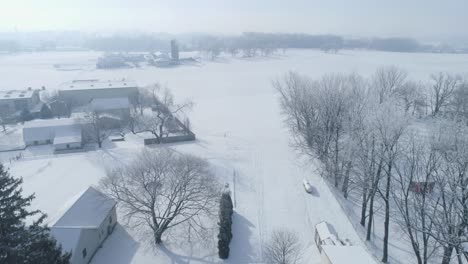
[{"x": 239, "y": 128}]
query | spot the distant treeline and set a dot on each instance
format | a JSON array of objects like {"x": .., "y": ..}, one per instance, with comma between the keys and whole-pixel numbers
[
  {"x": 253, "y": 41},
  {"x": 119, "y": 43},
  {"x": 256, "y": 40},
  {"x": 9, "y": 46}
]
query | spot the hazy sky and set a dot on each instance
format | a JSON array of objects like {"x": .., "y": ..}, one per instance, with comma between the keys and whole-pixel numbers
[{"x": 411, "y": 18}]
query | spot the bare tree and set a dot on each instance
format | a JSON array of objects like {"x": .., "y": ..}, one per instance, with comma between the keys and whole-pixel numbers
[
  {"x": 442, "y": 89},
  {"x": 162, "y": 189},
  {"x": 390, "y": 124},
  {"x": 459, "y": 101},
  {"x": 387, "y": 81},
  {"x": 451, "y": 221},
  {"x": 284, "y": 247},
  {"x": 94, "y": 129},
  {"x": 412, "y": 97},
  {"x": 164, "y": 110},
  {"x": 145, "y": 98},
  {"x": 416, "y": 171},
  {"x": 234, "y": 51}
]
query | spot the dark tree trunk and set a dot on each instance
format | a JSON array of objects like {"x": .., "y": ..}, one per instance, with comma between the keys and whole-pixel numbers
[
  {"x": 157, "y": 237},
  {"x": 345, "y": 186},
  {"x": 447, "y": 255},
  {"x": 387, "y": 214},
  {"x": 375, "y": 185},
  {"x": 364, "y": 206}
]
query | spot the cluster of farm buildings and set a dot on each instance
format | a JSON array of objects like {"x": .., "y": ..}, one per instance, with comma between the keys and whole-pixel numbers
[
  {"x": 90, "y": 217},
  {"x": 111, "y": 99}
]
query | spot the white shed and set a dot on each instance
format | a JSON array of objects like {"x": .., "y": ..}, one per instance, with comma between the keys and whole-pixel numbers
[
  {"x": 86, "y": 222},
  {"x": 65, "y": 133},
  {"x": 325, "y": 235}
]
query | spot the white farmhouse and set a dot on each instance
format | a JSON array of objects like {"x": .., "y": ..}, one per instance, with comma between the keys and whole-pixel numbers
[
  {"x": 84, "y": 226},
  {"x": 65, "y": 133}
]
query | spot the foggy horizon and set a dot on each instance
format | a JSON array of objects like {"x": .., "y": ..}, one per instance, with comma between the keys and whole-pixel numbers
[{"x": 423, "y": 20}]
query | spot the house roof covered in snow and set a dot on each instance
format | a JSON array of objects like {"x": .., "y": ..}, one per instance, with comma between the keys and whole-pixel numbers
[
  {"x": 51, "y": 128},
  {"x": 102, "y": 104},
  {"x": 88, "y": 211},
  {"x": 97, "y": 84},
  {"x": 51, "y": 122},
  {"x": 348, "y": 254},
  {"x": 16, "y": 94}
]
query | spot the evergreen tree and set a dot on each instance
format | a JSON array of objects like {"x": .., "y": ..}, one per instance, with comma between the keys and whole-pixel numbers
[
  {"x": 20, "y": 243},
  {"x": 46, "y": 113},
  {"x": 225, "y": 225},
  {"x": 25, "y": 115}
]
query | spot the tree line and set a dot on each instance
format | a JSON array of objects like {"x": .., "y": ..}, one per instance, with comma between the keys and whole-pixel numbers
[
  {"x": 261, "y": 42},
  {"x": 391, "y": 143}
]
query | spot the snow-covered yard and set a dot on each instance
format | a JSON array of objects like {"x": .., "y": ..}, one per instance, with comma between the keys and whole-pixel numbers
[{"x": 239, "y": 130}]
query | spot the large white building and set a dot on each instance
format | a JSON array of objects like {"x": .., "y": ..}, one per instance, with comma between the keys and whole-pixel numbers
[
  {"x": 65, "y": 133},
  {"x": 87, "y": 221},
  {"x": 82, "y": 92}
]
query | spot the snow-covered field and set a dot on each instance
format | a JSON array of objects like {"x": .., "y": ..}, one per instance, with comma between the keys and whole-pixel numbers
[{"x": 239, "y": 129}]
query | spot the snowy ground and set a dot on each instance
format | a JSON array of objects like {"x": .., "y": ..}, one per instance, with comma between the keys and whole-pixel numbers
[{"x": 239, "y": 129}]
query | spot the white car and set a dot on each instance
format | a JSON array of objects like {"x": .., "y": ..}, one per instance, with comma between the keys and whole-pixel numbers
[{"x": 307, "y": 186}]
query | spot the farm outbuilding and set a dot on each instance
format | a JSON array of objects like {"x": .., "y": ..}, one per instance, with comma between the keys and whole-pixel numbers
[
  {"x": 86, "y": 223},
  {"x": 65, "y": 133},
  {"x": 81, "y": 92}
]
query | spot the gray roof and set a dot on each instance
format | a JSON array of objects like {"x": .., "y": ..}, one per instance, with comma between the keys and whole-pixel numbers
[
  {"x": 97, "y": 84},
  {"x": 16, "y": 94},
  {"x": 89, "y": 211}
]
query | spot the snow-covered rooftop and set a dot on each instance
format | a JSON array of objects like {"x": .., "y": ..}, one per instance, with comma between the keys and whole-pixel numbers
[
  {"x": 16, "y": 94},
  {"x": 325, "y": 230},
  {"x": 97, "y": 84},
  {"x": 89, "y": 211},
  {"x": 102, "y": 104},
  {"x": 51, "y": 122},
  {"x": 347, "y": 254}
]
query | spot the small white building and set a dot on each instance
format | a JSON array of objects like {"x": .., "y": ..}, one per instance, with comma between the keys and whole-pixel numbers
[
  {"x": 65, "y": 133},
  {"x": 325, "y": 235},
  {"x": 85, "y": 224},
  {"x": 345, "y": 255}
]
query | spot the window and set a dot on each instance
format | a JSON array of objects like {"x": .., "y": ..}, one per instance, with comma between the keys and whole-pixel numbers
[
  {"x": 68, "y": 146},
  {"x": 84, "y": 253},
  {"x": 36, "y": 142}
]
